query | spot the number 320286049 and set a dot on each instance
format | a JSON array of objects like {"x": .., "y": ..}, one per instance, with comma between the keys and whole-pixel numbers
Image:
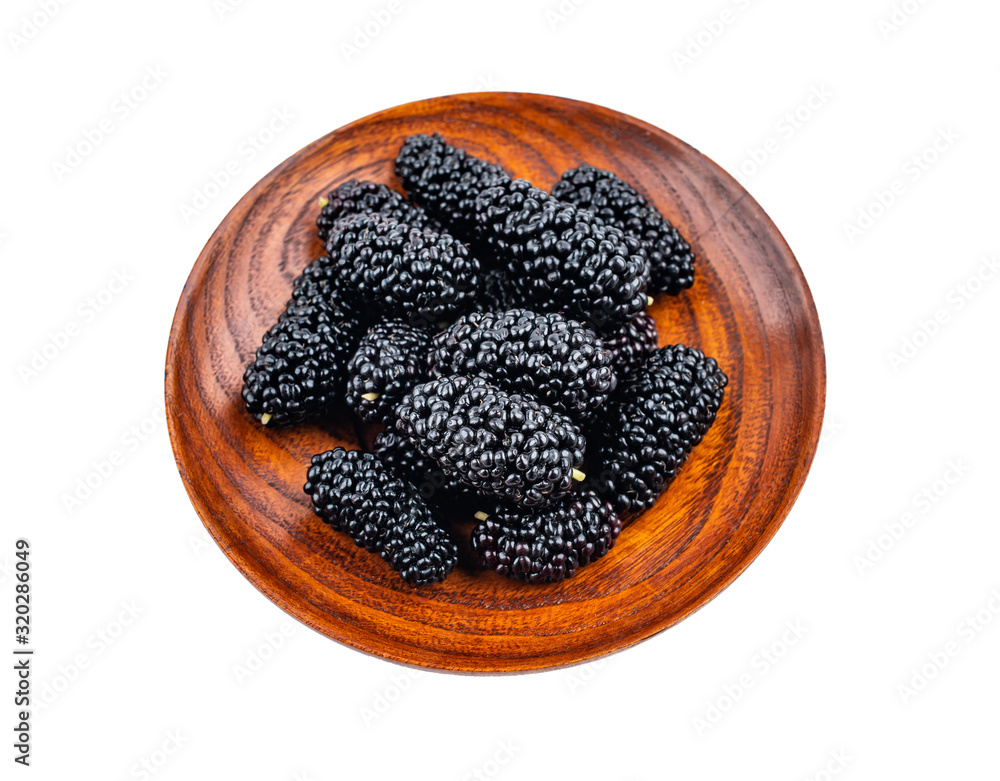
[{"x": 22, "y": 599}]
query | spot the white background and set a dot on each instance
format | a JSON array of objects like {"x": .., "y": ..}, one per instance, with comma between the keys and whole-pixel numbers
[{"x": 700, "y": 701}]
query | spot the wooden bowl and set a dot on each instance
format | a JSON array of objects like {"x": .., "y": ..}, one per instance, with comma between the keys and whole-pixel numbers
[{"x": 750, "y": 308}]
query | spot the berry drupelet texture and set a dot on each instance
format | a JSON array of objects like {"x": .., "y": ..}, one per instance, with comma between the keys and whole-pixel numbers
[
  {"x": 632, "y": 345},
  {"x": 651, "y": 424},
  {"x": 355, "y": 493},
  {"x": 547, "y": 545},
  {"x": 561, "y": 258},
  {"x": 431, "y": 481},
  {"x": 446, "y": 181},
  {"x": 364, "y": 197},
  {"x": 558, "y": 361},
  {"x": 391, "y": 358},
  {"x": 419, "y": 276},
  {"x": 301, "y": 366},
  {"x": 502, "y": 444},
  {"x": 495, "y": 294},
  {"x": 617, "y": 203}
]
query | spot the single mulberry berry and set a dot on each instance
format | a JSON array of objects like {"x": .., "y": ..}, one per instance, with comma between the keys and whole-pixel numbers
[
  {"x": 355, "y": 493},
  {"x": 415, "y": 275},
  {"x": 391, "y": 358},
  {"x": 301, "y": 366},
  {"x": 446, "y": 181},
  {"x": 632, "y": 345},
  {"x": 547, "y": 545},
  {"x": 556, "y": 360},
  {"x": 364, "y": 197},
  {"x": 616, "y": 202},
  {"x": 502, "y": 444},
  {"x": 431, "y": 481},
  {"x": 561, "y": 258},
  {"x": 650, "y": 425}
]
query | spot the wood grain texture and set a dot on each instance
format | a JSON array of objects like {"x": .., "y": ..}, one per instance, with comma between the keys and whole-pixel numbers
[{"x": 750, "y": 308}]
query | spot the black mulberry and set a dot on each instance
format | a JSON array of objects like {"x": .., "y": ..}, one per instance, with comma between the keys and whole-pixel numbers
[
  {"x": 633, "y": 344},
  {"x": 446, "y": 181},
  {"x": 502, "y": 444},
  {"x": 301, "y": 366},
  {"x": 364, "y": 197},
  {"x": 547, "y": 545},
  {"x": 355, "y": 493},
  {"x": 391, "y": 358},
  {"x": 671, "y": 261},
  {"x": 650, "y": 425},
  {"x": 561, "y": 258},
  {"x": 558, "y": 361},
  {"x": 415, "y": 275}
]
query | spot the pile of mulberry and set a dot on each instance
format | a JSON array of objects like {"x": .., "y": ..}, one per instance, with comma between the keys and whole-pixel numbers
[
  {"x": 391, "y": 358},
  {"x": 494, "y": 338},
  {"x": 502, "y": 444},
  {"x": 301, "y": 365},
  {"x": 355, "y": 493},
  {"x": 618, "y": 203},
  {"x": 651, "y": 424},
  {"x": 548, "y": 545},
  {"x": 558, "y": 361},
  {"x": 561, "y": 258}
]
